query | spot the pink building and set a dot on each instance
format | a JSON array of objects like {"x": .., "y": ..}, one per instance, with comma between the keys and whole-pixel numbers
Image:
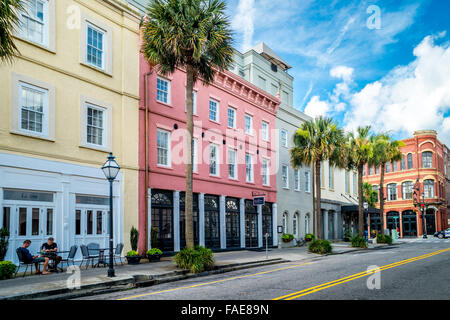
[{"x": 234, "y": 124}]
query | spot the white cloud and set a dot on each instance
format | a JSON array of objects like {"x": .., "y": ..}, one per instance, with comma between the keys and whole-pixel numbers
[
  {"x": 244, "y": 22},
  {"x": 342, "y": 72},
  {"x": 317, "y": 107},
  {"x": 409, "y": 98}
]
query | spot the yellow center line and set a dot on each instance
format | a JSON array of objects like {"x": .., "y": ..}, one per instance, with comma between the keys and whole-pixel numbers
[
  {"x": 356, "y": 276},
  {"x": 213, "y": 282}
]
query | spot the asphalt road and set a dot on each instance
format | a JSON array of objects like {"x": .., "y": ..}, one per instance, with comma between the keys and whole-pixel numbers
[{"x": 414, "y": 270}]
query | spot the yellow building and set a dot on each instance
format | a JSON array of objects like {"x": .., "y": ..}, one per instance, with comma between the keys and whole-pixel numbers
[{"x": 65, "y": 103}]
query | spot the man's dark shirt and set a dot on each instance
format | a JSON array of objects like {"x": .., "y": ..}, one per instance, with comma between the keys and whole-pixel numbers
[
  {"x": 26, "y": 255},
  {"x": 47, "y": 246}
]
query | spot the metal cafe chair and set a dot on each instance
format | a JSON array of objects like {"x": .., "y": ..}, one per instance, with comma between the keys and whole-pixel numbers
[
  {"x": 22, "y": 263},
  {"x": 70, "y": 257},
  {"x": 87, "y": 256}
]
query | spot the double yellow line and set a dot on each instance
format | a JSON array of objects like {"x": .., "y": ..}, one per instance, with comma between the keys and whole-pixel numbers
[
  {"x": 323, "y": 286},
  {"x": 214, "y": 282}
]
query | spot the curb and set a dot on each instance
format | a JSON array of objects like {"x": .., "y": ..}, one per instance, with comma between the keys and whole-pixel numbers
[
  {"x": 136, "y": 281},
  {"x": 366, "y": 249}
]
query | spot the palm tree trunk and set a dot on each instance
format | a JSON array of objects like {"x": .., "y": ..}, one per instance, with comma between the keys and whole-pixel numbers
[
  {"x": 314, "y": 202},
  {"x": 381, "y": 188},
  {"x": 318, "y": 204},
  {"x": 361, "y": 201},
  {"x": 189, "y": 156}
]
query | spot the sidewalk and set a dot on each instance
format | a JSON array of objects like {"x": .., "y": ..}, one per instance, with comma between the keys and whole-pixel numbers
[{"x": 92, "y": 281}]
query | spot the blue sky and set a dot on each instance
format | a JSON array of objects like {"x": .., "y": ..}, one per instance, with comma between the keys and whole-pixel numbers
[{"x": 392, "y": 73}]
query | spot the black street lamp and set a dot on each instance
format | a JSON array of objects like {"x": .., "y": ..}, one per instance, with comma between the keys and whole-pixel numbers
[
  {"x": 422, "y": 205},
  {"x": 111, "y": 170}
]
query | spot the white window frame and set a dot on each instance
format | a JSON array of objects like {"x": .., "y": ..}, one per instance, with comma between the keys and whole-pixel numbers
[
  {"x": 389, "y": 192},
  {"x": 45, "y": 109},
  {"x": 195, "y": 155},
  {"x": 169, "y": 161},
  {"x": 265, "y": 133},
  {"x": 234, "y": 117},
  {"x": 285, "y": 182},
  {"x": 250, "y": 166},
  {"x": 194, "y": 103},
  {"x": 217, "y": 110},
  {"x": 284, "y": 142},
  {"x": 104, "y": 121},
  {"x": 307, "y": 181},
  {"x": 265, "y": 168},
  {"x": 169, "y": 90},
  {"x": 46, "y": 24},
  {"x": 217, "y": 157},
  {"x": 234, "y": 164},
  {"x": 104, "y": 45},
  {"x": 250, "y": 130},
  {"x": 297, "y": 180}
]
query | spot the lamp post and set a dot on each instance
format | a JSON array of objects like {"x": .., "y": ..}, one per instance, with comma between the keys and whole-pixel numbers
[
  {"x": 422, "y": 205},
  {"x": 111, "y": 170}
]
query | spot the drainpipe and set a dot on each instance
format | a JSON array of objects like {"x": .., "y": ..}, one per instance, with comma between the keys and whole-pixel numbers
[{"x": 145, "y": 227}]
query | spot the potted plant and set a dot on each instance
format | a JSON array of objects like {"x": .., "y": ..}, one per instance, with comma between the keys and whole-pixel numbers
[
  {"x": 154, "y": 255},
  {"x": 309, "y": 237},
  {"x": 287, "y": 237},
  {"x": 347, "y": 235},
  {"x": 133, "y": 257}
]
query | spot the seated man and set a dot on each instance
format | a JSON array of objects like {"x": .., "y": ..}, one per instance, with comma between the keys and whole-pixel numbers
[
  {"x": 28, "y": 258},
  {"x": 51, "y": 247}
]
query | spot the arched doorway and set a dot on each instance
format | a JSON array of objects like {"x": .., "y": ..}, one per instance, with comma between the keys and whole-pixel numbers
[
  {"x": 162, "y": 219},
  {"x": 295, "y": 225},
  {"x": 393, "y": 221},
  {"x": 251, "y": 225},
  {"x": 430, "y": 221},
  {"x": 331, "y": 226},
  {"x": 267, "y": 221},
  {"x": 212, "y": 225},
  {"x": 232, "y": 223},
  {"x": 409, "y": 219},
  {"x": 307, "y": 224}
]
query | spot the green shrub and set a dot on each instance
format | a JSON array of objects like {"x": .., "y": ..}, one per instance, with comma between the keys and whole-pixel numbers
[
  {"x": 154, "y": 251},
  {"x": 310, "y": 236},
  {"x": 358, "y": 242},
  {"x": 154, "y": 237},
  {"x": 7, "y": 269},
  {"x": 196, "y": 260},
  {"x": 320, "y": 247},
  {"x": 132, "y": 253},
  {"x": 384, "y": 238},
  {"x": 4, "y": 241},
  {"x": 134, "y": 236},
  {"x": 287, "y": 237}
]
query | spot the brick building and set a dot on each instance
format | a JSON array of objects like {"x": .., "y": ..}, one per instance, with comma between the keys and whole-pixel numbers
[{"x": 424, "y": 158}]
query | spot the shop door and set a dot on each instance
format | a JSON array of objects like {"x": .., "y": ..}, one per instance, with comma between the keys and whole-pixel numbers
[
  {"x": 251, "y": 230},
  {"x": 430, "y": 223},
  {"x": 91, "y": 227},
  {"x": 409, "y": 224},
  {"x": 162, "y": 220}
]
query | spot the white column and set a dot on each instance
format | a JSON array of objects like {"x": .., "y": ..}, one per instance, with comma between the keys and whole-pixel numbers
[
  {"x": 325, "y": 224},
  {"x": 336, "y": 228},
  {"x": 176, "y": 220},
  {"x": 149, "y": 218},
  {"x": 62, "y": 228},
  {"x": 275, "y": 224},
  {"x": 223, "y": 234},
  {"x": 260, "y": 235},
  {"x": 201, "y": 219},
  {"x": 242, "y": 221}
]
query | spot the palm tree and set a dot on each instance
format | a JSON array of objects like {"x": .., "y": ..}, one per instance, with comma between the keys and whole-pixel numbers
[
  {"x": 370, "y": 195},
  {"x": 384, "y": 150},
  {"x": 359, "y": 152},
  {"x": 194, "y": 35},
  {"x": 314, "y": 142},
  {"x": 9, "y": 22}
]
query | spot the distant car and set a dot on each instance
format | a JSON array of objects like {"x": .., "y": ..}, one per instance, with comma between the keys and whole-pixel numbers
[{"x": 443, "y": 234}]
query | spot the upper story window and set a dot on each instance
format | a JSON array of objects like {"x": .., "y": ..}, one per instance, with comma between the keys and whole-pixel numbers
[
  {"x": 307, "y": 181},
  {"x": 284, "y": 139},
  {"x": 388, "y": 167},
  {"x": 364, "y": 171},
  {"x": 95, "y": 125},
  {"x": 407, "y": 190},
  {"x": 95, "y": 44},
  {"x": 330, "y": 177},
  {"x": 377, "y": 170},
  {"x": 35, "y": 22},
  {"x": 265, "y": 131},
  {"x": 297, "y": 180},
  {"x": 265, "y": 172},
  {"x": 232, "y": 118},
  {"x": 394, "y": 166},
  {"x": 376, "y": 189},
  {"x": 248, "y": 168},
  {"x": 392, "y": 192},
  {"x": 285, "y": 176},
  {"x": 428, "y": 188},
  {"x": 347, "y": 182},
  {"x": 162, "y": 90},
  {"x": 355, "y": 191},
  {"x": 248, "y": 124},
  {"x": 213, "y": 160},
  {"x": 403, "y": 163},
  {"x": 427, "y": 159},
  {"x": 194, "y": 103},
  {"x": 163, "y": 146},
  {"x": 213, "y": 110},
  {"x": 232, "y": 154},
  {"x": 410, "y": 161},
  {"x": 33, "y": 109},
  {"x": 370, "y": 170}
]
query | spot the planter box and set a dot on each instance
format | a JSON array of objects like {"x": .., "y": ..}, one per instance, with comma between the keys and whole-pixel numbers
[
  {"x": 134, "y": 259},
  {"x": 308, "y": 239},
  {"x": 287, "y": 241},
  {"x": 154, "y": 257}
]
